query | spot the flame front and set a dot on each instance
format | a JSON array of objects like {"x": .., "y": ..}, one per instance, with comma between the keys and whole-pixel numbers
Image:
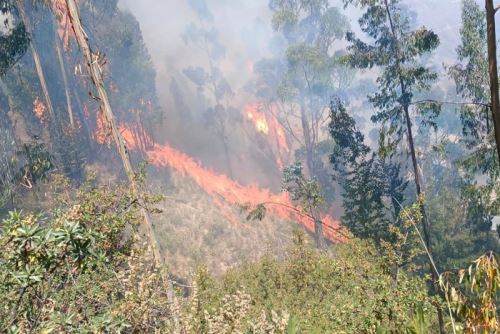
[{"x": 220, "y": 186}]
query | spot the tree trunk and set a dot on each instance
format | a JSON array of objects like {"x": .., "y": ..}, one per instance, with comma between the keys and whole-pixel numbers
[
  {"x": 228, "y": 158},
  {"x": 307, "y": 141},
  {"x": 318, "y": 224},
  {"x": 319, "y": 236},
  {"x": 95, "y": 72},
  {"x": 36, "y": 59},
  {"x": 82, "y": 117},
  {"x": 493, "y": 71},
  {"x": 418, "y": 186},
  {"x": 62, "y": 66}
]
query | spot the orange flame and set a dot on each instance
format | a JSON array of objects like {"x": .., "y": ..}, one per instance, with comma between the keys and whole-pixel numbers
[
  {"x": 102, "y": 132},
  {"x": 64, "y": 27},
  {"x": 258, "y": 118},
  {"x": 268, "y": 125},
  {"x": 221, "y": 187},
  {"x": 39, "y": 109}
]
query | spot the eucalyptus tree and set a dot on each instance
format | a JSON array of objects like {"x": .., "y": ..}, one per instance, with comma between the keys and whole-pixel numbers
[
  {"x": 470, "y": 74},
  {"x": 211, "y": 80},
  {"x": 473, "y": 84},
  {"x": 398, "y": 51},
  {"x": 309, "y": 74}
]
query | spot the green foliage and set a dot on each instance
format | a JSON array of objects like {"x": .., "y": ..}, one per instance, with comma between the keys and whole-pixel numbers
[
  {"x": 471, "y": 73},
  {"x": 7, "y": 167},
  {"x": 120, "y": 41},
  {"x": 399, "y": 52},
  {"x": 461, "y": 212},
  {"x": 406, "y": 243},
  {"x": 349, "y": 141},
  {"x": 350, "y": 293},
  {"x": 471, "y": 79},
  {"x": 306, "y": 76},
  {"x": 305, "y": 191},
  {"x": 53, "y": 270},
  {"x": 473, "y": 294},
  {"x": 37, "y": 163},
  {"x": 372, "y": 187}
]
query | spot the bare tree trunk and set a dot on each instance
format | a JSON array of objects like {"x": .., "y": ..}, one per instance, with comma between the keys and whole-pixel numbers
[
  {"x": 36, "y": 59},
  {"x": 62, "y": 66},
  {"x": 493, "y": 71},
  {"x": 95, "y": 72}
]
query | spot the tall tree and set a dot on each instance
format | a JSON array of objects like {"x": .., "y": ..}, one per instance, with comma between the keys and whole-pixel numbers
[
  {"x": 471, "y": 74},
  {"x": 307, "y": 77},
  {"x": 62, "y": 66},
  {"x": 92, "y": 62},
  {"x": 479, "y": 201},
  {"x": 36, "y": 59},
  {"x": 397, "y": 50}
]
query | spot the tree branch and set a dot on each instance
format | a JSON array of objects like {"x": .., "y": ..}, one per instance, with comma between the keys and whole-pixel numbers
[
  {"x": 452, "y": 102},
  {"x": 338, "y": 230}
]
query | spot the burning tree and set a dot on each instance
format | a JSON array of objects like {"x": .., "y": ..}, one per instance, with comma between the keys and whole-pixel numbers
[{"x": 301, "y": 80}]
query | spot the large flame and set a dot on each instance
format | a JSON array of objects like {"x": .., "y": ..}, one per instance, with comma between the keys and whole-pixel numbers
[
  {"x": 258, "y": 118},
  {"x": 222, "y": 188},
  {"x": 268, "y": 125}
]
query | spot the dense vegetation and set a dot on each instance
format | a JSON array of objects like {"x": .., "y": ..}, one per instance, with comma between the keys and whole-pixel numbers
[{"x": 416, "y": 189}]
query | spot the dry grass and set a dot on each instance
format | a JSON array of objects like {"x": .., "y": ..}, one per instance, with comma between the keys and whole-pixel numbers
[{"x": 194, "y": 231}]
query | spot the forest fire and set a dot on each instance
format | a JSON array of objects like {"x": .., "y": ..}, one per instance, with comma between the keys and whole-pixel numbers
[
  {"x": 258, "y": 118},
  {"x": 268, "y": 125},
  {"x": 39, "y": 109},
  {"x": 102, "y": 134},
  {"x": 220, "y": 186},
  {"x": 64, "y": 29}
]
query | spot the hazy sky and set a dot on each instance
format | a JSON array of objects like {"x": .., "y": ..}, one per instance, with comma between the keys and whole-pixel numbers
[
  {"x": 244, "y": 28},
  {"x": 163, "y": 21}
]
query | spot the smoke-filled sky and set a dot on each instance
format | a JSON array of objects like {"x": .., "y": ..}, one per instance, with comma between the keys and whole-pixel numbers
[{"x": 244, "y": 28}]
